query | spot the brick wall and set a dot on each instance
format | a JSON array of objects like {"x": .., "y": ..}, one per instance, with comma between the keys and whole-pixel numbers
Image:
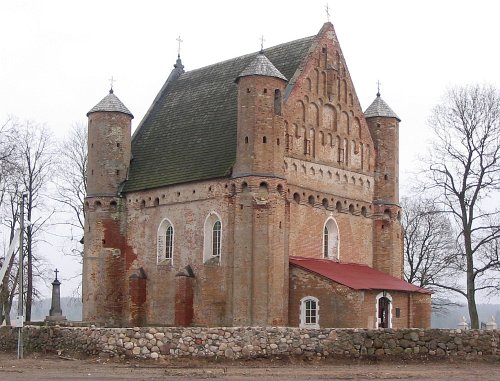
[
  {"x": 340, "y": 306},
  {"x": 108, "y": 151}
]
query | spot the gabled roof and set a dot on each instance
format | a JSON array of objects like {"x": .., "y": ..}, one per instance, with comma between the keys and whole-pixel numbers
[
  {"x": 110, "y": 103},
  {"x": 380, "y": 108},
  {"x": 263, "y": 67},
  {"x": 189, "y": 134},
  {"x": 355, "y": 276}
]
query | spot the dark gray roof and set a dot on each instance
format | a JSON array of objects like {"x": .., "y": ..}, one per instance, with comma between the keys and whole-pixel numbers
[
  {"x": 262, "y": 66},
  {"x": 380, "y": 108},
  {"x": 189, "y": 133},
  {"x": 110, "y": 103}
]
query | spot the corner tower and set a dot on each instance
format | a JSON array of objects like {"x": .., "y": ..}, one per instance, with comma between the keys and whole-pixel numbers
[
  {"x": 104, "y": 264},
  {"x": 387, "y": 232},
  {"x": 260, "y": 259},
  {"x": 109, "y": 125},
  {"x": 260, "y": 129}
]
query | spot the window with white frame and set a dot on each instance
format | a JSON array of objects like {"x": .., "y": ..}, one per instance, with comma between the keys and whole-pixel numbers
[
  {"x": 165, "y": 242},
  {"x": 331, "y": 239},
  {"x": 309, "y": 312},
  {"x": 212, "y": 238}
]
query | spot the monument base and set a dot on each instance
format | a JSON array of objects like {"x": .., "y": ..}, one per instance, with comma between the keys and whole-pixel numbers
[{"x": 52, "y": 319}]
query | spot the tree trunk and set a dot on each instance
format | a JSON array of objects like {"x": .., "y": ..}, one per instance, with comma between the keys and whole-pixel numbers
[
  {"x": 471, "y": 287},
  {"x": 29, "y": 254},
  {"x": 7, "y": 308},
  {"x": 471, "y": 301}
]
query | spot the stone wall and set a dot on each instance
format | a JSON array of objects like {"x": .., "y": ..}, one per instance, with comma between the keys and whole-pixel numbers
[{"x": 251, "y": 342}]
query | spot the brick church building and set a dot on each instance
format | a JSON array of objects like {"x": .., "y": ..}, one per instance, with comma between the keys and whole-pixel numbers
[{"x": 255, "y": 192}]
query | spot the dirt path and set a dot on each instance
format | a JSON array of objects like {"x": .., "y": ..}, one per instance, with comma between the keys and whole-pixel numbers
[{"x": 50, "y": 367}]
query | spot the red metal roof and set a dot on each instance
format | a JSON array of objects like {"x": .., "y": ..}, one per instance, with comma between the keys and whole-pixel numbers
[{"x": 355, "y": 276}]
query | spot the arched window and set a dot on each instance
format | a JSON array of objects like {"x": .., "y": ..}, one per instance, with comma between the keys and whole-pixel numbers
[
  {"x": 216, "y": 230},
  {"x": 331, "y": 240},
  {"x": 165, "y": 242},
  {"x": 169, "y": 240},
  {"x": 213, "y": 239},
  {"x": 309, "y": 312}
]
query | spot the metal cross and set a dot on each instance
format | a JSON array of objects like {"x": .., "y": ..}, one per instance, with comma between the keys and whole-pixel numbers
[
  {"x": 327, "y": 8},
  {"x": 56, "y": 271},
  {"x": 178, "y": 39},
  {"x": 111, "y": 81},
  {"x": 262, "y": 43},
  {"x": 378, "y": 88}
]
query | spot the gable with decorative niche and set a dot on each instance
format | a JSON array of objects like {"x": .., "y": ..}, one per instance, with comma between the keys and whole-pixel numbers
[{"x": 324, "y": 122}]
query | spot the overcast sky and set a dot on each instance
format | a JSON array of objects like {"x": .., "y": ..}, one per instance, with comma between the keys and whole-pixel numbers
[{"x": 56, "y": 56}]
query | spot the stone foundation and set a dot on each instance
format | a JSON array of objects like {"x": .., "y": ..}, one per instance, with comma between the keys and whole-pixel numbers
[{"x": 252, "y": 342}]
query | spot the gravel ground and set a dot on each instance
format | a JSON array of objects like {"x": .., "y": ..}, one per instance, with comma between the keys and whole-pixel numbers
[{"x": 51, "y": 367}]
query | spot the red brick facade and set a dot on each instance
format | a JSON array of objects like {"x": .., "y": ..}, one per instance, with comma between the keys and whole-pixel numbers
[{"x": 306, "y": 159}]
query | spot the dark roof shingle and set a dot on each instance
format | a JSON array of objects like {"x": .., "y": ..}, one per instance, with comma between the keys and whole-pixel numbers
[
  {"x": 380, "y": 108},
  {"x": 190, "y": 132},
  {"x": 263, "y": 67},
  {"x": 110, "y": 103}
]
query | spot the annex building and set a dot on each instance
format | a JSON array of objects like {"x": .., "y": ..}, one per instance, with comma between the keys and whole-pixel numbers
[{"x": 255, "y": 192}]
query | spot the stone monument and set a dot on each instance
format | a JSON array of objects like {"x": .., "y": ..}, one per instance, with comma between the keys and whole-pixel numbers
[{"x": 55, "y": 313}]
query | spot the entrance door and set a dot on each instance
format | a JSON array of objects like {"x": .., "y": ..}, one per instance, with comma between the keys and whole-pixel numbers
[{"x": 384, "y": 304}]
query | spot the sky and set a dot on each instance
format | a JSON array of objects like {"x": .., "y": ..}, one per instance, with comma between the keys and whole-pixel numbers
[{"x": 57, "y": 56}]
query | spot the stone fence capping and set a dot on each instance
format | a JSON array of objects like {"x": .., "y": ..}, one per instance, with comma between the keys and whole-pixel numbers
[{"x": 253, "y": 342}]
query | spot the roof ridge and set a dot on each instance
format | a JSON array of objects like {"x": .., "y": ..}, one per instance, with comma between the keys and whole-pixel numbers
[
  {"x": 248, "y": 55},
  {"x": 174, "y": 75}
]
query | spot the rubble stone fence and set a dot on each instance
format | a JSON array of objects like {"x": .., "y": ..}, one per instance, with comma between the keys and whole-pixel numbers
[{"x": 253, "y": 342}]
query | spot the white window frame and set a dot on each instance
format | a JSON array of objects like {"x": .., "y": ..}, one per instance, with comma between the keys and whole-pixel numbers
[
  {"x": 161, "y": 243},
  {"x": 333, "y": 235},
  {"x": 383, "y": 294},
  {"x": 302, "y": 317},
  {"x": 208, "y": 242}
]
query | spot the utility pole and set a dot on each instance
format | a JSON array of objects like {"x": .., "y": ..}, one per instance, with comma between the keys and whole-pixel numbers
[{"x": 20, "y": 301}]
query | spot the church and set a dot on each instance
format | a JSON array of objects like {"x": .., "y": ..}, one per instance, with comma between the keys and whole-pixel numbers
[{"x": 255, "y": 192}]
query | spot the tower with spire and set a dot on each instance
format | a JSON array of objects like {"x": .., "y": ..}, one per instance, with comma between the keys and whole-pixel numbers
[
  {"x": 109, "y": 128},
  {"x": 387, "y": 232},
  {"x": 259, "y": 254}
]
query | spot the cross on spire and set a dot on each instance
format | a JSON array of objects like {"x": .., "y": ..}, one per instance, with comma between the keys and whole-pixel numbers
[
  {"x": 262, "y": 44},
  {"x": 327, "y": 9},
  {"x": 56, "y": 271},
  {"x": 378, "y": 88},
  {"x": 179, "y": 40},
  {"x": 111, "y": 81}
]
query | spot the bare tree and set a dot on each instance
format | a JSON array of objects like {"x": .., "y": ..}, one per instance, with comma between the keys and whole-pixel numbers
[
  {"x": 7, "y": 208},
  {"x": 429, "y": 249},
  {"x": 464, "y": 169},
  {"x": 72, "y": 184},
  {"x": 34, "y": 164},
  {"x": 11, "y": 210},
  {"x": 6, "y": 153}
]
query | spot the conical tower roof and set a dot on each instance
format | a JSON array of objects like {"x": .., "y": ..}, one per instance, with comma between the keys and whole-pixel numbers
[
  {"x": 263, "y": 67},
  {"x": 380, "y": 108},
  {"x": 110, "y": 103}
]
